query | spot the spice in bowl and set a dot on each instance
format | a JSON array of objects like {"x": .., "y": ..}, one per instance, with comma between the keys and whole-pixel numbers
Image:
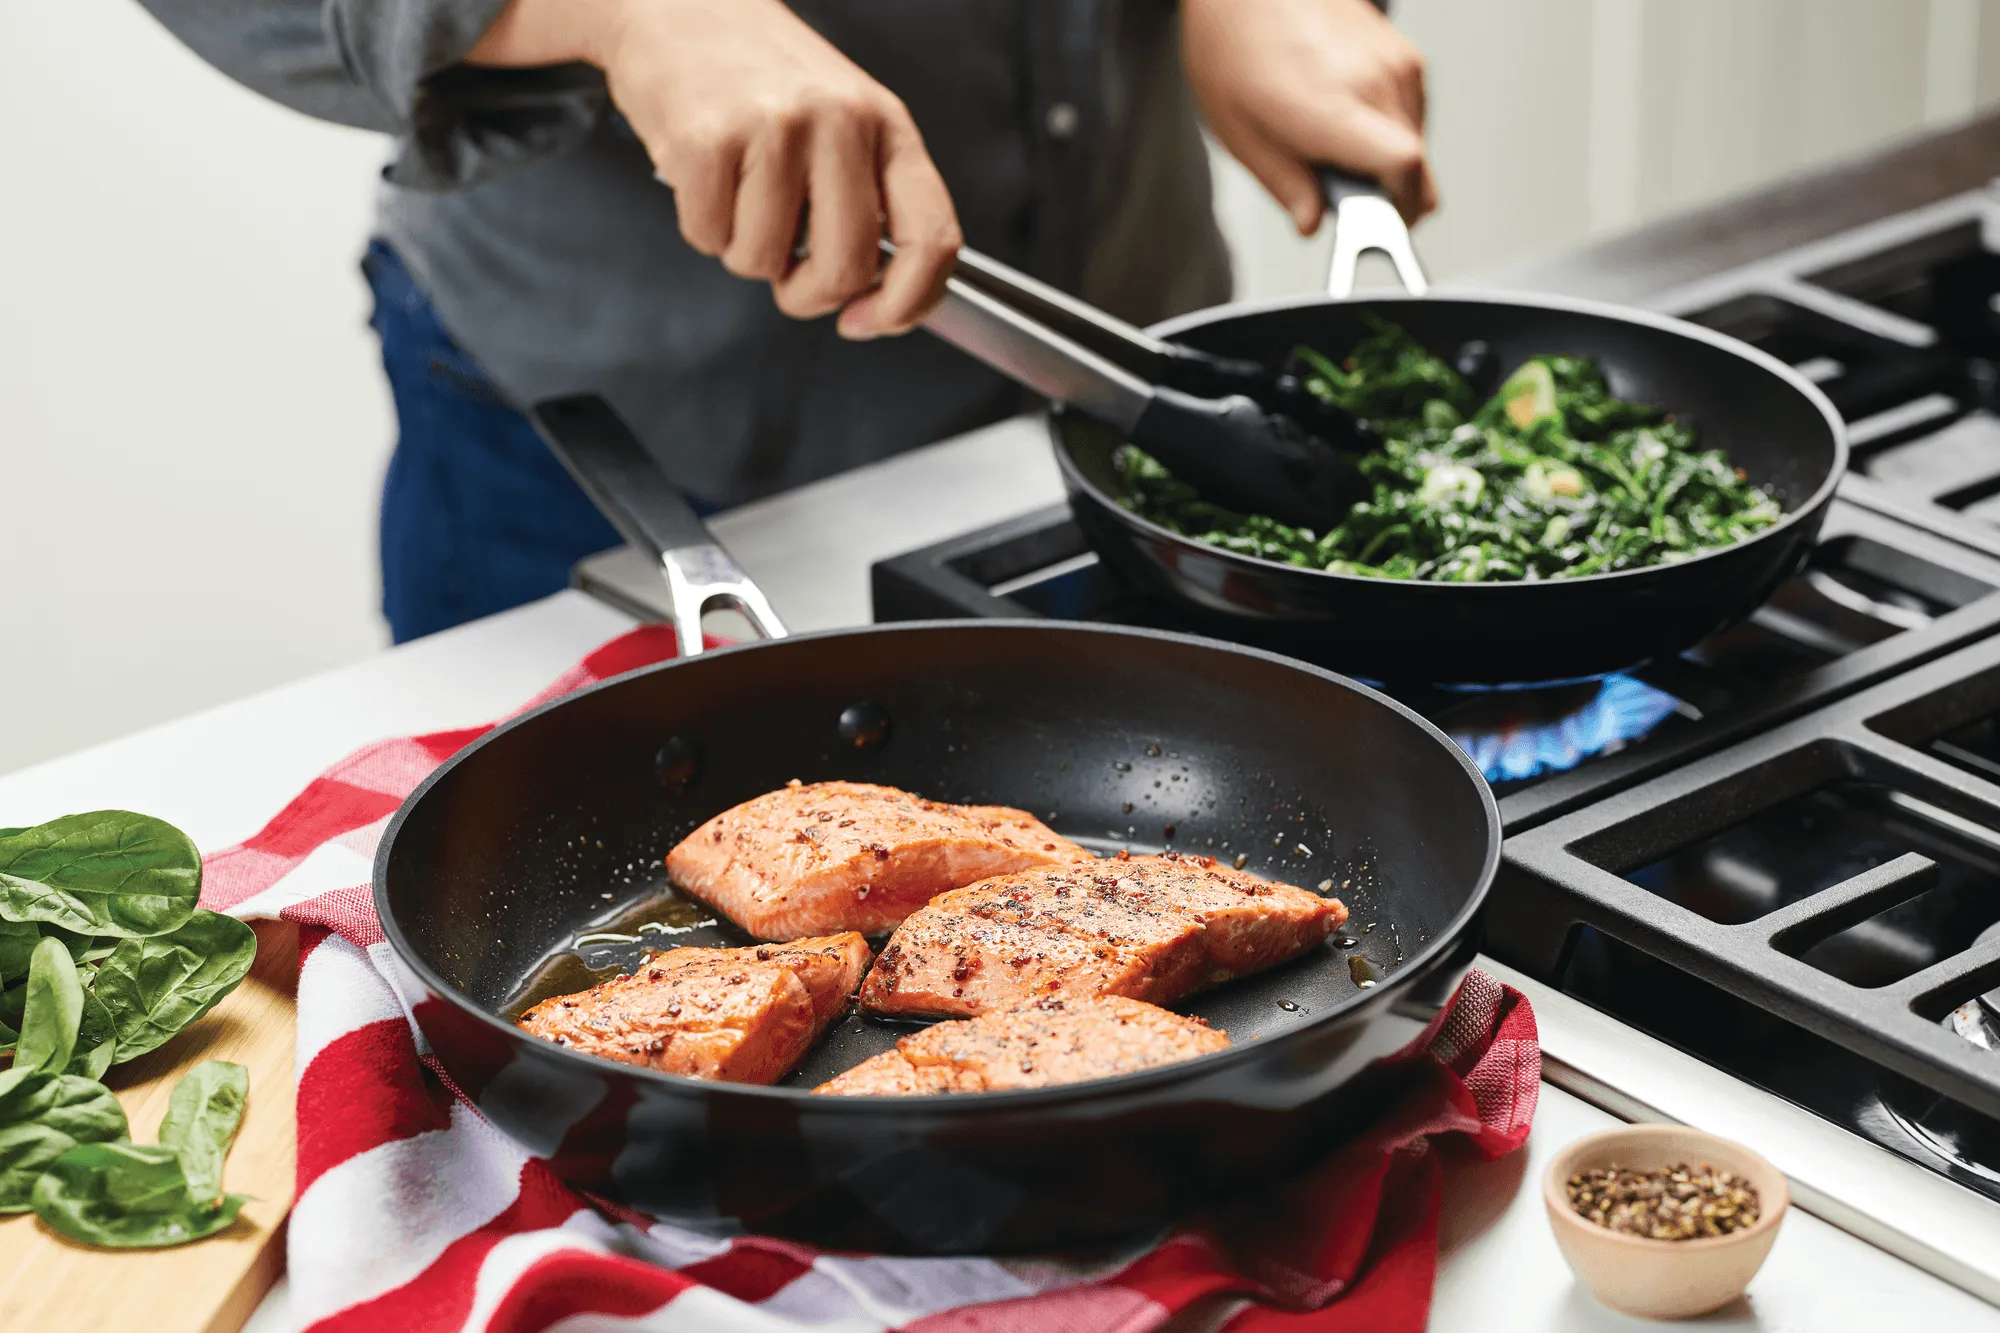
[{"x": 1669, "y": 1203}]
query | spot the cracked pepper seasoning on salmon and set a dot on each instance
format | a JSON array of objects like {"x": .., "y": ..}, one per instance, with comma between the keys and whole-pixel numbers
[
  {"x": 739, "y": 1015},
  {"x": 1035, "y": 1045},
  {"x": 832, "y": 856},
  {"x": 1151, "y": 928}
]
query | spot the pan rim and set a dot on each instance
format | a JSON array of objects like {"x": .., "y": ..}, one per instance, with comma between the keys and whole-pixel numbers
[
  {"x": 1418, "y": 965},
  {"x": 1821, "y": 496}
]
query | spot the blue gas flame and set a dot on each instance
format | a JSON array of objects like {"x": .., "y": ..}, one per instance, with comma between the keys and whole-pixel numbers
[{"x": 1623, "y": 710}]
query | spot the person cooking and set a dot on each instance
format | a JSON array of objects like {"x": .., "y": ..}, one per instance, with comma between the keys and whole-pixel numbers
[{"x": 525, "y": 246}]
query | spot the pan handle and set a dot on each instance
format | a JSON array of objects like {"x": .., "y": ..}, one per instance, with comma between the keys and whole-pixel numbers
[
  {"x": 1364, "y": 220},
  {"x": 624, "y": 482}
]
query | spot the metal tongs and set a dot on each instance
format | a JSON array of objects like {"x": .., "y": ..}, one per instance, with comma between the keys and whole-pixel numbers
[
  {"x": 1236, "y": 430},
  {"x": 1241, "y": 433}
]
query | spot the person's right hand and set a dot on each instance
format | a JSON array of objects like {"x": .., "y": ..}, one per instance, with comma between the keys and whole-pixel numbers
[
  {"x": 754, "y": 119},
  {"x": 1291, "y": 85}
]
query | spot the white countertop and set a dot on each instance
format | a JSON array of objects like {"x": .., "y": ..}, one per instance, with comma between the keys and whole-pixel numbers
[{"x": 222, "y": 773}]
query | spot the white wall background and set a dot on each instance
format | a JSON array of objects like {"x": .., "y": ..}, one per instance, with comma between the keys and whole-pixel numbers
[
  {"x": 1554, "y": 122},
  {"x": 192, "y": 430},
  {"x": 192, "y": 425}
]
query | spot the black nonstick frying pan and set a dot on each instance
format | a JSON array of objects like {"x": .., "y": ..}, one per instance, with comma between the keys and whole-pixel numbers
[
  {"x": 537, "y": 851},
  {"x": 1774, "y": 424}
]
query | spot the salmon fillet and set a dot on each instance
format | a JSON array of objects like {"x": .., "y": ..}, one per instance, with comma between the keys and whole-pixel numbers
[
  {"x": 832, "y": 856},
  {"x": 1150, "y": 928},
  {"x": 739, "y": 1015},
  {"x": 1040, "y": 1043}
]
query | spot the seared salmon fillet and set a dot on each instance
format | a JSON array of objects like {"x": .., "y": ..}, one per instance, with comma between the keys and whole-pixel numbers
[
  {"x": 740, "y": 1015},
  {"x": 811, "y": 860},
  {"x": 1150, "y": 928},
  {"x": 1035, "y": 1045}
]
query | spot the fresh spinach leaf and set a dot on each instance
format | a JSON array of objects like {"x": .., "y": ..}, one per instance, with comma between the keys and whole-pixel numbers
[
  {"x": 155, "y": 987},
  {"x": 96, "y": 1039},
  {"x": 87, "y": 950},
  {"x": 95, "y": 1062},
  {"x": 8, "y": 1037},
  {"x": 27, "y": 1150},
  {"x": 52, "y": 1011},
  {"x": 110, "y": 872},
  {"x": 202, "y": 1118},
  {"x": 79, "y": 1107},
  {"x": 128, "y": 1196},
  {"x": 43, "y": 1116},
  {"x": 17, "y": 944}
]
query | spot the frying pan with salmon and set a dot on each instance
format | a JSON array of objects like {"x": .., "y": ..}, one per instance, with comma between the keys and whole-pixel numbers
[
  {"x": 808, "y": 860},
  {"x": 553, "y": 826}
]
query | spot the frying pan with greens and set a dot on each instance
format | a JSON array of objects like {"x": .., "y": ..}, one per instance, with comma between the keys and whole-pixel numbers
[{"x": 1771, "y": 422}]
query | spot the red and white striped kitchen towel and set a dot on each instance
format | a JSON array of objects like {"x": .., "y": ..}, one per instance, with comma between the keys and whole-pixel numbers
[{"x": 413, "y": 1213}]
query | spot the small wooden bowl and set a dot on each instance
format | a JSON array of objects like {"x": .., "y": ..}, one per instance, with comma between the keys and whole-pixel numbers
[{"x": 1663, "y": 1279}]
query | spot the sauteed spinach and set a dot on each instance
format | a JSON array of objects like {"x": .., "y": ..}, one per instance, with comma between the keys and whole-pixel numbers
[{"x": 1551, "y": 477}]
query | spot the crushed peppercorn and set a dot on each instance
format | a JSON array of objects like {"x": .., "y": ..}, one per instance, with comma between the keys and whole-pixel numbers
[{"x": 1677, "y": 1202}]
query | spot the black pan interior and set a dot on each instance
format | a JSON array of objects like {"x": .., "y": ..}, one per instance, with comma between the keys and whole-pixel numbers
[
  {"x": 1739, "y": 400},
  {"x": 555, "y": 827}
]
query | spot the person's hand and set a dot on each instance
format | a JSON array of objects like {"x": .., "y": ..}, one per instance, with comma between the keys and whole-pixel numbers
[
  {"x": 1290, "y": 85},
  {"x": 755, "y": 119}
]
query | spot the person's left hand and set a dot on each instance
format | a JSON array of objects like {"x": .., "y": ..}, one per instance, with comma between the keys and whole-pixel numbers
[{"x": 1290, "y": 85}]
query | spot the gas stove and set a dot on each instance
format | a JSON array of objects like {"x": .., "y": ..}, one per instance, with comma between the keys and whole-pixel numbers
[
  {"x": 1879, "y": 597},
  {"x": 1777, "y": 856}
]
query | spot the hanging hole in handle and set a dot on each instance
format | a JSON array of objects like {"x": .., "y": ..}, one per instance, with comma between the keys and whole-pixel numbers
[
  {"x": 1374, "y": 275},
  {"x": 704, "y": 580},
  {"x": 725, "y": 622},
  {"x": 1366, "y": 223}
]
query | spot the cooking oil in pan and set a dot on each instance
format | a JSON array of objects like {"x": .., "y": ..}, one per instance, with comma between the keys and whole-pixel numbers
[
  {"x": 560, "y": 974},
  {"x": 651, "y": 925},
  {"x": 617, "y": 947}
]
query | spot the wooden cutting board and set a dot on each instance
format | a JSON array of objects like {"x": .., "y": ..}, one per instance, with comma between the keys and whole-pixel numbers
[{"x": 213, "y": 1285}]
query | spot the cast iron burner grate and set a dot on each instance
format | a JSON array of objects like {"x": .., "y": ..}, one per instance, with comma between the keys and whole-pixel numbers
[
  {"x": 1899, "y": 323},
  {"x": 1821, "y": 902},
  {"x": 1878, "y": 597}
]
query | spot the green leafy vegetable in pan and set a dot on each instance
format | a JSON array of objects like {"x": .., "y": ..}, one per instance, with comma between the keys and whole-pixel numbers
[{"x": 1550, "y": 478}]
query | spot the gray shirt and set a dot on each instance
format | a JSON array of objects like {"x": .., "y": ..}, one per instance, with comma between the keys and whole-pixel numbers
[{"x": 529, "y": 214}]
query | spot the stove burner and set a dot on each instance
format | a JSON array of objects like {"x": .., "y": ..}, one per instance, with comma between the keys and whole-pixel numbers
[
  {"x": 1967, "y": 1141},
  {"x": 1963, "y": 1137},
  {"x": 1515, "y": 735},
  {"x": 1978, "y": 1020}
]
